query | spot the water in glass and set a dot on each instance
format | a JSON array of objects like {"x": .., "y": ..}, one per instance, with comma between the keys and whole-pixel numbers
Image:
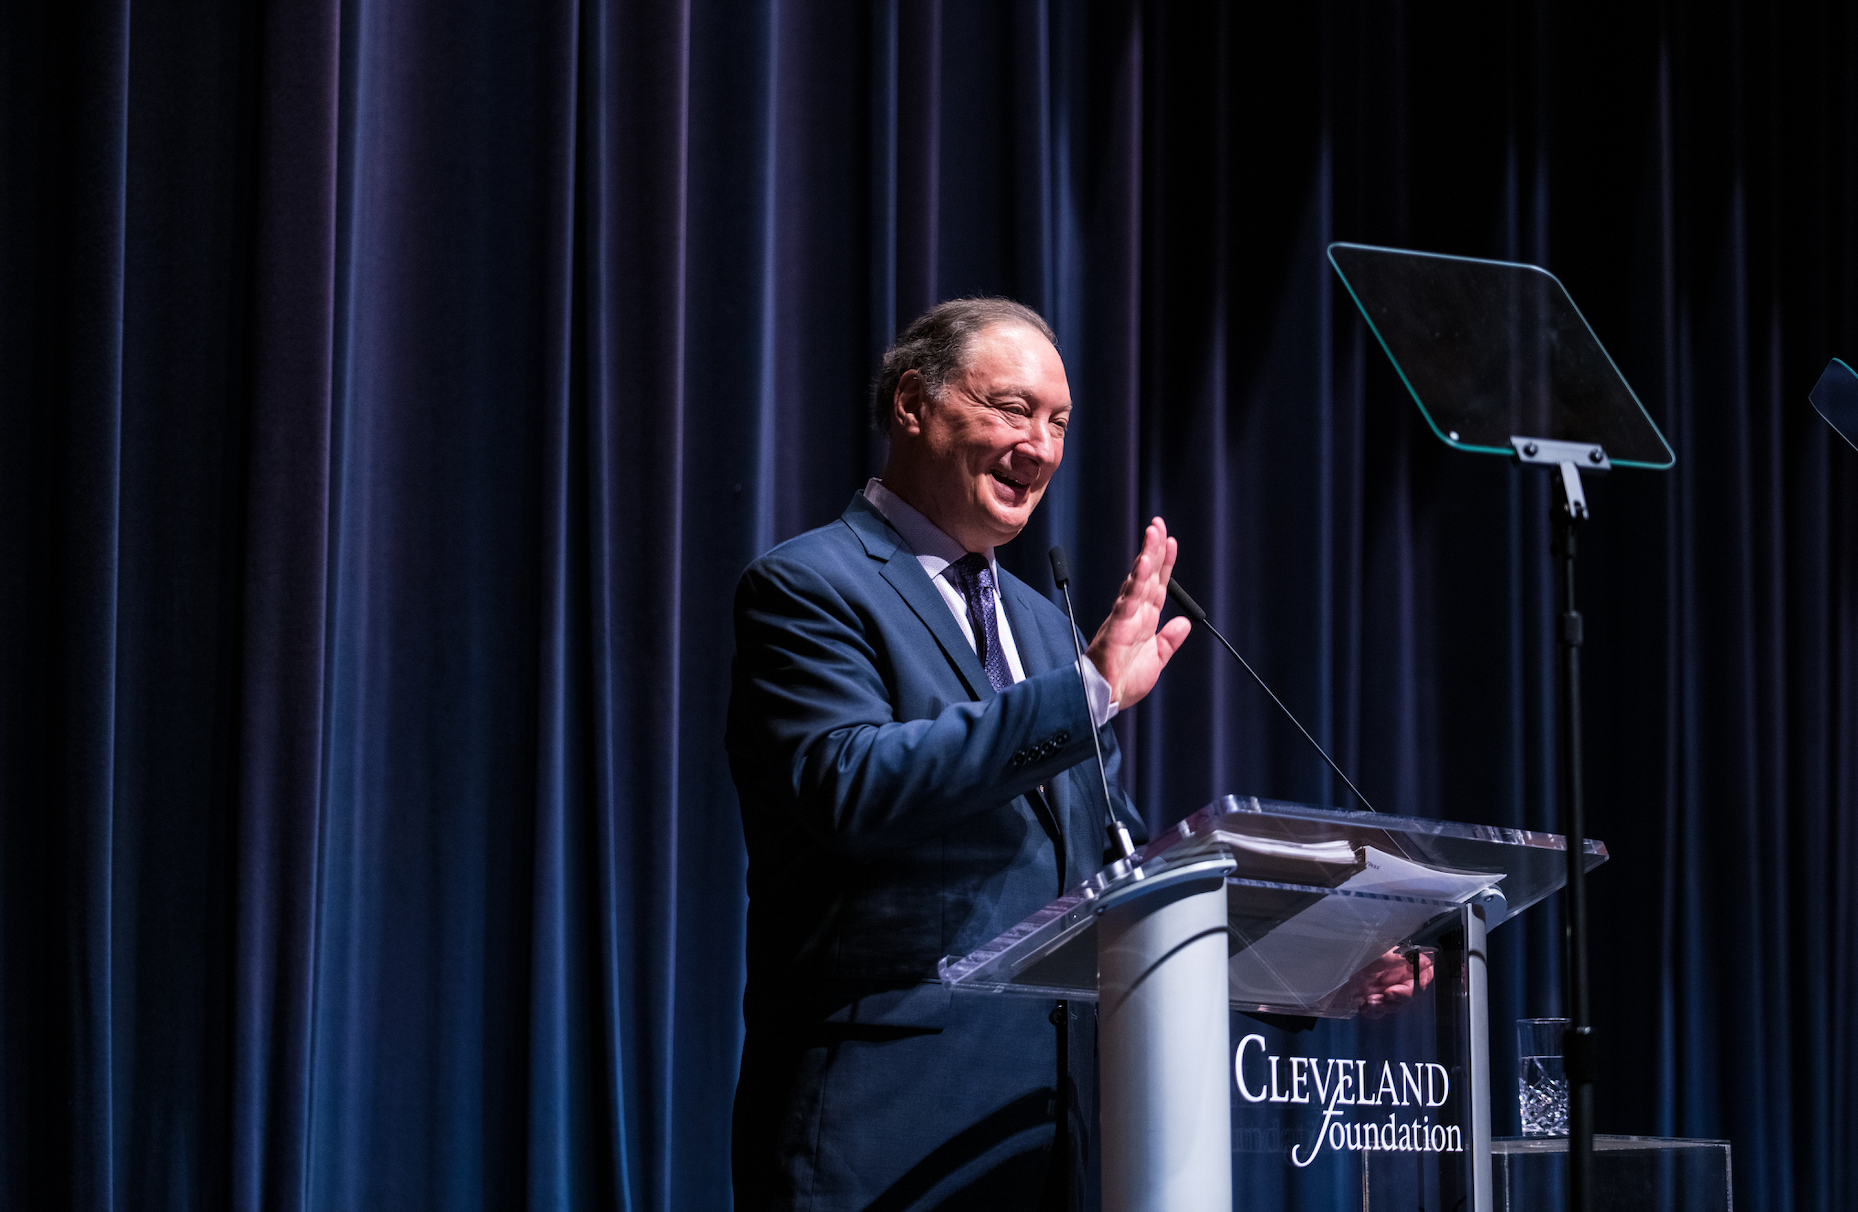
[{"x": 1544, "y": 1093}]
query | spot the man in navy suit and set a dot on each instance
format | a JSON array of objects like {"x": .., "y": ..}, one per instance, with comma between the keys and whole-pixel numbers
[{"x": 909, "y": 734}]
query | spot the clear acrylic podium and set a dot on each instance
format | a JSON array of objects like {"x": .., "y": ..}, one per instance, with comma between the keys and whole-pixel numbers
[
  {"x": 1259, "y": 907},
  {"x": 1631, "y": 1174}
]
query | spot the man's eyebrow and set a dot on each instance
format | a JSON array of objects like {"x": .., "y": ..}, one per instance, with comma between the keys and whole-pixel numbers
[{"x": 1022, "y": 393}]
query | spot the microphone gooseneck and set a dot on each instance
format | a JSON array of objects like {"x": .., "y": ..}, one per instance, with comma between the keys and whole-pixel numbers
[
  {"x": 1120, "y": 841},
  {"x": 1192, "y": 610}
]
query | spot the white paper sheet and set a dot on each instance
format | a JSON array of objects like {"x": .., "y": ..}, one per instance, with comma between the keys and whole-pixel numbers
[{"x": 1307, "y": 958}]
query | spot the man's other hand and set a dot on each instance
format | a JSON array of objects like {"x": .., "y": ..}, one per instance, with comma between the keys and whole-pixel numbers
[
  {"x": 1128, "y": 650},
  {"x": 1390, "y": 982}
]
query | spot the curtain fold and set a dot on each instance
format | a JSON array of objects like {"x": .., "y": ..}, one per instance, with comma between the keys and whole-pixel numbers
[
  {"x": 284, "y": 599},
  {"x": 65, "y": 336},
  {"x": 395, "y": 392}
]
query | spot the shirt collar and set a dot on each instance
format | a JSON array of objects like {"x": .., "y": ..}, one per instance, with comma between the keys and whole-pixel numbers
[{"x": 925, "y": 539}]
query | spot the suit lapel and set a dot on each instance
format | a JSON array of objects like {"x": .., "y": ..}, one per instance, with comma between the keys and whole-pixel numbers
[
  {"x": 905, "y": 574},
  {"x": 1038, "y": 653},
  {"x": 913, "y": 585},
  {"x": 1035, "y": 647}
]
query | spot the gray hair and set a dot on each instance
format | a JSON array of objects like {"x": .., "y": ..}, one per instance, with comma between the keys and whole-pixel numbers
[{"x": 935, "y": 346}]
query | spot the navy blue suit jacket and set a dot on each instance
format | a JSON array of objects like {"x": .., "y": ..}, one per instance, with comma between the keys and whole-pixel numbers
[{"x": 893, "y": 810}]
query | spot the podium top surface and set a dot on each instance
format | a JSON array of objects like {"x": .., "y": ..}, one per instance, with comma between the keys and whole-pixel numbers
[
  {"x": 1314, "y": 897},
  {"x": 1494, "y": 350}
]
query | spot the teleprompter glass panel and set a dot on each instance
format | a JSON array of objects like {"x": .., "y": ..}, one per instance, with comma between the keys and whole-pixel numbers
[
  {"x": 1836, "y": 398},
  {"x": 1492, "y": 350},
  {"x": 1316, "y": 898}
]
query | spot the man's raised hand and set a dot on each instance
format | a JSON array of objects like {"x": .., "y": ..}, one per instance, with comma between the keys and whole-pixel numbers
[{"x": 1128, "y": 650}]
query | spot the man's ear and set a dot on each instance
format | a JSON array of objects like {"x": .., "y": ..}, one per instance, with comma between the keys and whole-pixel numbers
[{"x": 906, "y": 406}]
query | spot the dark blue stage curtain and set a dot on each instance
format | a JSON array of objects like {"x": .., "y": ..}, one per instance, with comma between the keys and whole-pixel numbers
[{"x": 393, "y": 391}]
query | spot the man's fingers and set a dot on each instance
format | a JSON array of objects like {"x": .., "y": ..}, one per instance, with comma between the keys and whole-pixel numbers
[
  {"x": 1170, "y": 638},
  {"x": 1161, "y": 545},
  {"x": 1142, "y": 587},
  {"x": 1128, "y": 648},
  {"x": 1149, "y": 553}
]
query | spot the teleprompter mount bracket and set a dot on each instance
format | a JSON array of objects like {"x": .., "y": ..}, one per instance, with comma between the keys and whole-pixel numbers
[{"x": 1571, "y": 457}]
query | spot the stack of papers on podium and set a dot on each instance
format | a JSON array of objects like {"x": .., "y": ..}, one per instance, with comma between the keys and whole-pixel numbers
[{"x": 1311, "y": 956}]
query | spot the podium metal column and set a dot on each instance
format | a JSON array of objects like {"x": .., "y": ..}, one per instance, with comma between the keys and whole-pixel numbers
[
  {"x": 1164, "y": 1060},
  {"x": 1464, "y": 1029}
]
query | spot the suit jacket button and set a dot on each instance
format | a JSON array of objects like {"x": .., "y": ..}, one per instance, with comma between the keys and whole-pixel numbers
[{"x": 1062, "y": 739}]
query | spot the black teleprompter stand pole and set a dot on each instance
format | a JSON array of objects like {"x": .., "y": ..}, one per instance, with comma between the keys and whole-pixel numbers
[{"x": 1568, "y": 459}]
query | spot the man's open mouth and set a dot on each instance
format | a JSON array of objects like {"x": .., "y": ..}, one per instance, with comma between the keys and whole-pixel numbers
[{"x": 1009, "y": 481}]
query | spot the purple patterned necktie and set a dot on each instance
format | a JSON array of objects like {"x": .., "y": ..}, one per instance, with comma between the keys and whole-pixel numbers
[{"x": 976, "y": 582}]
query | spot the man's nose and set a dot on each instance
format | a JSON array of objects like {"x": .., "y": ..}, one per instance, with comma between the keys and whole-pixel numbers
[{"x": 1042, "y": 441}]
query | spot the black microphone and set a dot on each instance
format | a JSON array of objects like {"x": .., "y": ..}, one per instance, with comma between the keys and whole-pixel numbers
[
  {"x": 1192, "y": 610},
  {"x": 1120, "y": 841}
]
